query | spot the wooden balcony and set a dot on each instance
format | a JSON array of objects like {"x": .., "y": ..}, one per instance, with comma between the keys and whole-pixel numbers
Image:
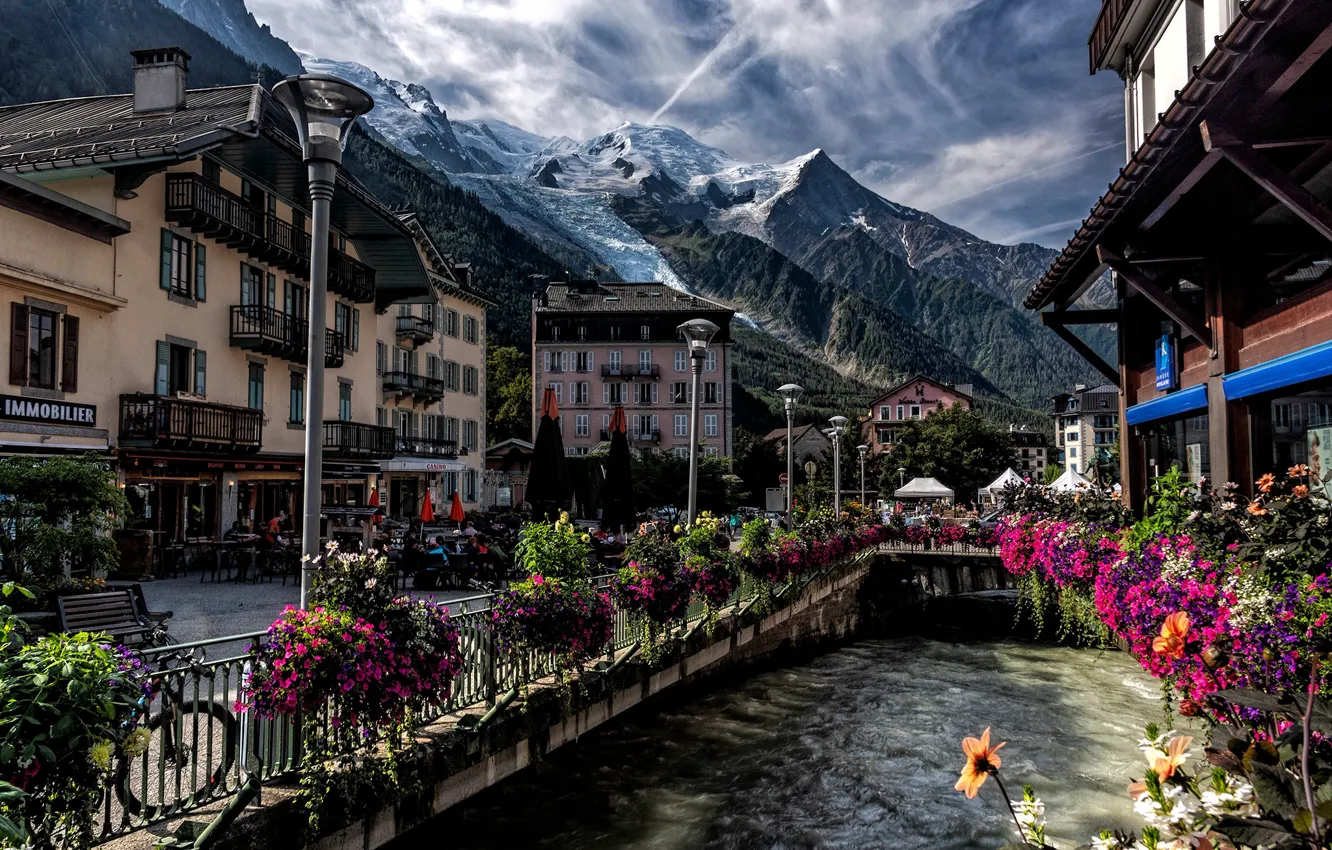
[
  {"x": 255, "y": 327},
  {"x": 166, "y": 422},
  {"x": 415, "y": 329},
  {"x": 1107, "y": 23},
  {"x": 352, "y": 279},
  {"x": 354, "y": 440},
  {"x": 419, "y": 387},
  {"x": 426, "y": 447},
  {"x": 631, "y": 372}
]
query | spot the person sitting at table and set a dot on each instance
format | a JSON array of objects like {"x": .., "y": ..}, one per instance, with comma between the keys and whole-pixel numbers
[
  {"x": 437, "y": 548},
  {"x": 236, "y": 532}
]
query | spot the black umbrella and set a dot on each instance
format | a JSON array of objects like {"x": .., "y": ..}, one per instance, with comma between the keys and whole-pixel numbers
[
  {"x": 617, "y": 493},
  {"x": 548, "y": 487}
]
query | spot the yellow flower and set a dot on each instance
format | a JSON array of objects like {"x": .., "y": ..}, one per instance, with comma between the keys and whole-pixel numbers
[
  {"x": 585, "y": 538},
  {"x": 137, "y": 742},
  {"x": 100, "y": 754}
]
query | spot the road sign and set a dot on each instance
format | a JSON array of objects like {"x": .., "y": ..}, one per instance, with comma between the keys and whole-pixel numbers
[{"x": 783, "y": 479}]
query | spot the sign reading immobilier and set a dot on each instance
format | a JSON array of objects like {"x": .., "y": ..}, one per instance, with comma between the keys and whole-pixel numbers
[{"x": 47, "y": 412}]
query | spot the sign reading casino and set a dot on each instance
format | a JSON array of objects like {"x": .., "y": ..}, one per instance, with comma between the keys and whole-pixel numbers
[{"x": 47, "y": 412}]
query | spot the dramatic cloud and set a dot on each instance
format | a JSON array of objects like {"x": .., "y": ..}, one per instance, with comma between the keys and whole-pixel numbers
[{"x": 980, "y": 111}]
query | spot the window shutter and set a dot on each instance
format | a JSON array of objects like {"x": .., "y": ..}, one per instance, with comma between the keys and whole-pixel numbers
[
  {"x": 200, "y": 372},
  {"x": 655, "y": 427},
  {"x": 163, "y": 366},
  {"x": 18, "y": 344},
  {"x": 200, "y": 271},
  {"x": 356, "y": 329},
  {"x": 545, "y": 361},
  {"x": 564, "y": 361},
  {"x": 272, "y": 290},
  {"x": 654, "y": 393},
  {"x": 69, "y": 366},
  {"x": 573, "y": 392},
  {"x": 591, "y": 358},
  {"x": 165, "y": 279},
  {"x": 605, "y": 393}
]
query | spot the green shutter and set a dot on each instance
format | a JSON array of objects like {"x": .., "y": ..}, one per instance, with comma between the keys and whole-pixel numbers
[
  {"x": 356, "y": 330},
  {"x": 200, "y": 271},
  {"x": 165, "y": 280},
  {"x": 163, "y": 367},
  {"x": 200, "y": 372},
  {"x": 272, "y": 291}
]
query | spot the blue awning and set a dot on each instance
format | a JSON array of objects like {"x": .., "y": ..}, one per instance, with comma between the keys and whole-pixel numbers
[
  {"x": 1174, "y": 404},
  {"x": 1306, "y": 365}
]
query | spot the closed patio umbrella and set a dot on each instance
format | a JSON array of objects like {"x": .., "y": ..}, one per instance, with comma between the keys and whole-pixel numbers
[
  {"x": 374, "y": 503},
  {"x": 456, "y": 510},
  {"x": 427, "y": 509},
  {"x": 617, "y": 492},
  {"x": 548, "y": 487}
]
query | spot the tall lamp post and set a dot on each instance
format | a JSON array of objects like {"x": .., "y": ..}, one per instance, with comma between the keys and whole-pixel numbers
[
  {"x": 324, "y": 108},
  {"x": 863, "y": 451},
  {"x": 698, "y": 333},
  {"x": 839, "y": 424},
  {"x": 790, "y": 394}
]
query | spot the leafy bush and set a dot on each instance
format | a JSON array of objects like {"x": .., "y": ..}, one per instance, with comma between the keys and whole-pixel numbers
[
  {"x": 553, "y": 550},
  {"x": 568, "y": 619}
]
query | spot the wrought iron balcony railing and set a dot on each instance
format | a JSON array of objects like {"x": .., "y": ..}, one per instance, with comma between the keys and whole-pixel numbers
[
  {"x": 357, "y": 440},
  {"x": 645, "y": 436},
  {"x": 415, "y": 329},
  {"x": 255, "y": 327},
  {"x": 166, "y": 422},
  {"x": 631, "y": 371},
  {"x": 418, "y": 386},
  {"x": 426, "y": 447}
]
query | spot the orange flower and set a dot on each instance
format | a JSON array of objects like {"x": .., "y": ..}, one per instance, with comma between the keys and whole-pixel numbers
[
  {"x": 1174, "y": 631},
  {"x": 1257, "y": 509},
  {"x": 1299, "y": 491},
  {"x": 1265, "y": 483},
  {"x": 1299, "y": 470},
  {"x": 1174, "y": 757},
  {"x": 982, "y": 760}
]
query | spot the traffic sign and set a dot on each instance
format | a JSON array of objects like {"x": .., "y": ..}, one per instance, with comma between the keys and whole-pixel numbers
[{"x": 783, "y": 479}]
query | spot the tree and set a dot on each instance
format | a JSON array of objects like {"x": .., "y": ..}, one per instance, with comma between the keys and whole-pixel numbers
[
  {"x": 758, "y": 464},
  {"x": 822, "y": 484},
  {"x": 508, "y": 394},
  {"x": 1052, "y": 473},
  {"x": 955, "y": 446},
  {"x": 662, "y": 480}
]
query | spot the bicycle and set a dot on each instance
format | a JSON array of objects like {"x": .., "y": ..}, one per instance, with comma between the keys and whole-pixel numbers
[{"x": 188, "y": 736}]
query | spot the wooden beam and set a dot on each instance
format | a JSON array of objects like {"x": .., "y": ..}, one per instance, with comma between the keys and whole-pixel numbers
[
  {"x": 1079, "y": 317},
  {"x": 1295, "y": 72},
  {"x": 1155, "y": 294},
  {"x": 1201, "y": 170},
  {"x": 1273, "y": 180},
  {"x": 1088, "y": 354}
]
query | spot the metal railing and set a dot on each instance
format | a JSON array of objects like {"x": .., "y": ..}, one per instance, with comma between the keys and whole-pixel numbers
[
  {"x": 258, "y": 327},
  {"x": 420, "y": 386},
  {"x": 201, "y": 746},
  {"x": 357, "y": 440},
  {"x": 415, "y": 328},
  {"x": 156, "y": 421},
  {"x": 426, "y": 446},
  {"x": 350, "y": 278},
  {"x": 902, "y": 547},
  {"x": 631, "y": 371}
]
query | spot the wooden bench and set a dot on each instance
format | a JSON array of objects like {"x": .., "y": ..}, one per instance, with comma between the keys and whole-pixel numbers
[{"x": 113, "y": 612}]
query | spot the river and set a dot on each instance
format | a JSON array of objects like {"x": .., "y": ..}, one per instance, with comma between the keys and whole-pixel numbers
[{"x": 856, "y": 749}]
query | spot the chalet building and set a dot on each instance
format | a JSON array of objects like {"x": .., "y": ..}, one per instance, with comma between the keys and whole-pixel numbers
[
  {"x": 810, "y": 443},
  {"x": 508, "y": 464},
  {"x": 430, "y": 359},
  {"x": 1219, "y": 234},
  {"x": 1032, "y": 449},
  {"x": 1086, "y": 427},
  {"x": 913, "y": 399},
  {"x": 602, "y": 346},
  {"x": 154, "y": 254}
]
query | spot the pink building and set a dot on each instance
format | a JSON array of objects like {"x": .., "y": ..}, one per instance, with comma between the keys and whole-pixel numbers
[
  {"x": 602, "y": 346},
  {"x": 914, "y": 399}
]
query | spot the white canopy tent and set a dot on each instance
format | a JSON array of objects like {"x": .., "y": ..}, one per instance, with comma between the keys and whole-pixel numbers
[
  {"x": 991, "y": 492},
  {"x": 924, "y": 488},
  {"x": 1069, "y": 481}
]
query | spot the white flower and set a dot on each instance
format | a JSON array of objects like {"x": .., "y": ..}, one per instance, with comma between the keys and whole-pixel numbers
[
  {"x": 1236, "y": 799},
  {"x": 371, "y": 582}
]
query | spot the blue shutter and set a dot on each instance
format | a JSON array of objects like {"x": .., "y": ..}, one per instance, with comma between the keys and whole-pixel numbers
[
  {"x": 200, "y": 271},
  {"x": 200, "y": 372},
  {"x": 163, "y": 367},
  {"x": 165, "y": 280}
]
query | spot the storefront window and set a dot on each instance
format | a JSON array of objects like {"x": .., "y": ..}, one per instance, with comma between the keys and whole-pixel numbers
[
  {"x": 1298, "y": 428},
  {"x": 1183, "y": 442},
  {"x": 200, "y": 509}
]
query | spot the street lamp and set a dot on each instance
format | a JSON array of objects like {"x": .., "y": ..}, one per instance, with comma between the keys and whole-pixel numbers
[
  {"x": 901, "y": 476},
  {"x": 863, "y": 451},
  {"x": 698, "y": 333},
  {"x": 790, "y": 394},
  {"x": 838, "y": 424},
  {"x": 323, "y": 108}
]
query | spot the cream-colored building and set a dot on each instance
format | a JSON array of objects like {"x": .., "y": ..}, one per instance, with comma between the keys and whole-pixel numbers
[
  {"x": 431, "y": 361},
  {"x": 154, "y": 250}
]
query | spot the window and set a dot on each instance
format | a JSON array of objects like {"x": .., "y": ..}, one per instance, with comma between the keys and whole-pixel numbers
[
  {"x": 582, "y": 332},
  {"x": 451, "y": 483},
  {"x": 915, "y": 411},
  {"x": 381, "y": 358},
  {"x": 885, "y": 412},
  {"x": 184, "y": 266},
  {"x": 470, "y": 486},
  {"x": 342, "y": 321},
  {"x": 681, "y": 360},
  {"x": 711, "y": 451},
  {"x": 256, "y": 386},
  {"x": 404, "y": 309},
  {"x": 471, "y": 381},
  {"x": 583, "y": 361},
  {"x": 712, "y": 393},
  {"x": 710, "y": 425},
  {"x": 710, "y": 361},
  {"x": 680, "y": 452},
  {"x": 296, "y": 401},
  {"x": 469, "y": 329},
  {"x": 614, "y": 393},
  {"x": 581, "y": 428},
  {"x": 295, "y": 299},
  {"x": 681, "y": 392},
  {"x": 559, "y": 392},
  {"x": 355, "y": 343},
  {"x": 41, "y": 349},
  {"x": 578, "y": 392},
  {"x": 251, "y": 285},
  {"x": 180, "y": 369},
  {"x": 471, "y": 432},
  {"x": 554, "y": 333},
  {"x": 1072, "y": 451},
  {"x": 344, "y": 402},
  {"x": 451, "y": 429},
  {"x": 645, "y": 332},
  {"x": 452, "y": 373},
  {"x": 681, "y": 425},
  {"x": 381, "y": 417},
  {"x": 434, "y": 367},
  {"x": 645, "y": 361},
  {"x": 901, "y": 411},
  {"x": 645, "y": 394},
  {"x": 451, "y": 322},
  {"x": 615, "y": 362},
  {"x": 212, "y": 172}
]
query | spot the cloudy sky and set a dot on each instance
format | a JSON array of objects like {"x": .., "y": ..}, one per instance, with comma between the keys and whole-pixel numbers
[{"x": 980, "y": 111}]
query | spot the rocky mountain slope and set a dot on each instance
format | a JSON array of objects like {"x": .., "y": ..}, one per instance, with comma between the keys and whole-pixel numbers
[{"x": 234, "y": 27}]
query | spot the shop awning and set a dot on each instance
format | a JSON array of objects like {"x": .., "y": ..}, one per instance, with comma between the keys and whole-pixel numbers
[
  {"x": 413, "y": 464},
  {"x": 1167, "y": 406},
  {"x": 1296, "y": 368}
]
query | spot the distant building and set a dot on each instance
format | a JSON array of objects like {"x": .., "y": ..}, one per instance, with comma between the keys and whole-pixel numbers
[
  {"x": 913, "y": 399},
  {"x": 808, "y": 441},
  {"x": 1032, "y": 449},
  {"x": 507, "y": 465},
  {"x": 602, "y": 346},
  {"x": 1086, "y": 426}
]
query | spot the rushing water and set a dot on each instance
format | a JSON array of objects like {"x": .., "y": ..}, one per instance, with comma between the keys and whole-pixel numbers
[{"x": 856, "y": 749}]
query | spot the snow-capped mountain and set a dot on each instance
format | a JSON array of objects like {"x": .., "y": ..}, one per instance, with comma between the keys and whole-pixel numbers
[{"x": 231, "y": 23}]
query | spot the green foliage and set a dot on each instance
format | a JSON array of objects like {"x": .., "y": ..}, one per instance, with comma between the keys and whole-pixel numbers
[
  {"x": 360, "y": 582},
  {"x": 1168, "y": 506},
  {"x": 953, "y": 445},
  {"x": 508, "y": 394},
  {"x": 554, "y": 550},
  {"x": 1052, "y": 473},
  {"x": 59, "y": 512},
  {"x": 757, "y": 464},
  {"x": 662, "y": 479},
  {"x": 654, "y": 548}
]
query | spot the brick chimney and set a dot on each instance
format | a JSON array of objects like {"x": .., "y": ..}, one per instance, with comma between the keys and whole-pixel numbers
[{"x": 160, "y": 75}]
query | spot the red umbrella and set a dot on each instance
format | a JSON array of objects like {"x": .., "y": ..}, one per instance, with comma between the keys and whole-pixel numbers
[
  {"x": 456, "y": 512},
  {"x": 427, "y": 509},
  {"x": 374, "y": 503}
]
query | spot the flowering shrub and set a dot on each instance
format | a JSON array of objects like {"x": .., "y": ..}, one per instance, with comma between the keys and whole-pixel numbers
[
  {"x": 949, "y": 535},
  {"x": 714, "y": 581},
  {"x": 554, "y": 550},
  {"x": 567, "y": 619},
  {"x": 641, "y": 590},
  {"x": 916, "y": 535}
]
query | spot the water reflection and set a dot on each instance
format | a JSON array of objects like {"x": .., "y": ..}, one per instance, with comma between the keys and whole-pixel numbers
[{"x": 857, "y": 749}]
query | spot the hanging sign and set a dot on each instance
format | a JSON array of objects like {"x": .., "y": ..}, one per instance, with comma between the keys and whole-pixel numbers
[{"x": 1167, "y": 364}]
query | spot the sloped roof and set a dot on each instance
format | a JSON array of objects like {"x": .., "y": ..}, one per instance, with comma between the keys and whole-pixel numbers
[
  {"x": 923, "y": 488},
  {"x": 1069, "y": 481},
  {"x": 1009, "y": 476},
  {"x": 593, "y": 297},
  {"x": 918, "y": 379}
]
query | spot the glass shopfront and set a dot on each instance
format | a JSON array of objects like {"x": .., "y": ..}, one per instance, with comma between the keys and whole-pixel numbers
[
  {"x": 1294, "y": 428},
  {"x": 1183, "y": 442}
]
